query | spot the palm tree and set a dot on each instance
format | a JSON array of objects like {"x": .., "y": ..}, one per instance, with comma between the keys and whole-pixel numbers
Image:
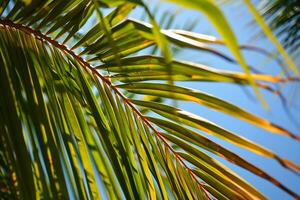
[{"x": 83, "y": 115}]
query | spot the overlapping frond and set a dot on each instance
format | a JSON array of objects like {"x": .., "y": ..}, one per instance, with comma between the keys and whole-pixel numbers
[
  {"x": 71, "y": 126},
  {"x": 284, "y": 20}
]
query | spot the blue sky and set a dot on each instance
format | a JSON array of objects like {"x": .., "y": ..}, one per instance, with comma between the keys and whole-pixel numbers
[{"x": 240, "y": 21}]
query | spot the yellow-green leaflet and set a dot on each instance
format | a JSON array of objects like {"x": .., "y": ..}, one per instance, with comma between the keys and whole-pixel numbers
[
  {"x": 215, "y": 15},
  {"x": 268, "y": 32}
]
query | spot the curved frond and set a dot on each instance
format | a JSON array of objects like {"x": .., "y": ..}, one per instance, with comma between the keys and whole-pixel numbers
[{"x": 78, "y": 119}]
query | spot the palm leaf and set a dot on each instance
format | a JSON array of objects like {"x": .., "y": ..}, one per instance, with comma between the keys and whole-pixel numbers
[
  {"x": 70, "y": 129},
  {"x": 279, "y": 15}
]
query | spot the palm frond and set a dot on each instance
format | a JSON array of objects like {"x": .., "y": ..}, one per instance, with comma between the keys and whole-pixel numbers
[
  {"x": 284, "y": 20},
  {"x": 71, "y": 128}
]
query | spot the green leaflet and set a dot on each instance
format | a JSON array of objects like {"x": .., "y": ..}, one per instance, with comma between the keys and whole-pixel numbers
[
  {"x": 123, "y": 135},
  {"x": 268, "y": 32},
  {"x": 217, "y": 18},
  {"x": 197, "y": 153},
  {"x": 114, "y": 17},
  {"x": 10, "y": 119},
  {"x": 200, "y": 141},
  {"x": 183, "y": 117},
  {"x": 151, "y": 153},
  {"x": 185, "y": 94},
  {"x": 135, "y": 29},
  {"x": 103, "y": 128},
  {"x": 141, "y": 156},
  {"x": 77, "y": 129},
  {"x": 62, "y": 21},
  {"x": 143, "y": 68},
  {"x": 218, "y": 171}
]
